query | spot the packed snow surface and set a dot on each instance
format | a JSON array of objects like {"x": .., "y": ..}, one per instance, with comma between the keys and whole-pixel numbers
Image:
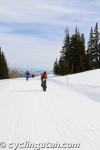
[{"x": 68, "y": 112}]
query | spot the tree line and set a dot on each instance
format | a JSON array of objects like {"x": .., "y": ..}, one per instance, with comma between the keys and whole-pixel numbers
[
  {"x": 75, "y": 56},
  {"x": 3, "y": 66}
]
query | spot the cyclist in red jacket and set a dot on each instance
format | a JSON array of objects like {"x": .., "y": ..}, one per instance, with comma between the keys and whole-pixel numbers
[
  {"x": 43, "y": 75},
  {"x": 43, "y": 80}
]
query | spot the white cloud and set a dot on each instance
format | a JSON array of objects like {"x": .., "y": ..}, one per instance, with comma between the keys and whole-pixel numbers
[
  {"x": 37, "y": 11},
  {"x": 28, "y": 51}
]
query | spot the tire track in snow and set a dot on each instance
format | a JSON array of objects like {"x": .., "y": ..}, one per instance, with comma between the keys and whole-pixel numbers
[{"x": 90, "y": 124}]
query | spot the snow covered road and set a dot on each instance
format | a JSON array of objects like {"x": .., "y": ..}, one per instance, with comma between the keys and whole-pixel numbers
[{"x": 64, "y": 114}]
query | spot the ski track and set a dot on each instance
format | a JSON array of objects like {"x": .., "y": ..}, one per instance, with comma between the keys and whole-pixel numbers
[{"x": 62, "y": 113}]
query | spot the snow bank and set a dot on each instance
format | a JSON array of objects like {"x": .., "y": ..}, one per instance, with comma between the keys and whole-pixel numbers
[{"x": 85, "y": 78}]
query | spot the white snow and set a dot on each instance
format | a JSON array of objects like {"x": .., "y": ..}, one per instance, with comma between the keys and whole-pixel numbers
[{"x": 68, "y": 112}]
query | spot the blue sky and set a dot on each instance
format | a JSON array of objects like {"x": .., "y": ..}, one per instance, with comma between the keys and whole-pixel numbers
[{"x": 32, "y": 31}]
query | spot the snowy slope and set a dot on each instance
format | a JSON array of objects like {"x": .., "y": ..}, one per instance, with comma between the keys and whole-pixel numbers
[
  {"x": 66, "y": 113},
  {"x": 86, "y": 78}
]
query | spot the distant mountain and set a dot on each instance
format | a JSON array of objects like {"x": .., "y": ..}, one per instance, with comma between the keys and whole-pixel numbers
[{"x": 35, "y": 71}]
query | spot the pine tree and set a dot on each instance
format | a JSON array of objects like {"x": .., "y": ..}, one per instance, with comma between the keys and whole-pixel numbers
[
  {"x": 3, "y": 66},
  {"x": 90, "y": 50},
  {"x": 82, "y": 53},
  {"x": 93, "y": 48},
  {"x": 61, "y": 66},
  {"x": 0, "y": 65},
  {"x": 77, "y": 49},
  {"x": 96, "y": 46},
  {"x": 65, "y": 52},
  {"x": 99, "y": 55},
  {"x": 56, "y": 69}
]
